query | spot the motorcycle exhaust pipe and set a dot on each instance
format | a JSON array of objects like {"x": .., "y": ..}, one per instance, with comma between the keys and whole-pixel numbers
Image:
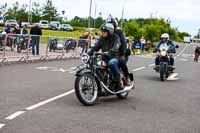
[{"x": 126, "y": 89}]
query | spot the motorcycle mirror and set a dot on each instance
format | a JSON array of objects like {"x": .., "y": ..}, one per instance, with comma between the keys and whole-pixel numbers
[{"x": 177, "y": 46}]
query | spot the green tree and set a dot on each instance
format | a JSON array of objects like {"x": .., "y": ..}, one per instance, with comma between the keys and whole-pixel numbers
[
  {"x": 36, "y": 12},
  {"x": 49, "y": 12}
]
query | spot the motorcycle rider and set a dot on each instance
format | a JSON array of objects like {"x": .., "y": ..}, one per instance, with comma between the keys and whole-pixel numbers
[
  {"x": 123, "y": 48},
  {"x": 171, "y": 48},
  {"x": 110, "y": 42}
]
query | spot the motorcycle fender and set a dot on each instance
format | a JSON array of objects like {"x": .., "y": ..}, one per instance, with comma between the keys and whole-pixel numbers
[{"x": 82, "y": 72}]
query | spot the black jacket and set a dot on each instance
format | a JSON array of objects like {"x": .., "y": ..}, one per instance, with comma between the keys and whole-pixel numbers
[
  {"x": 123, "y": 46},
  {"x": 36, "y": 31},
  {"x": 110, "y": 44}
]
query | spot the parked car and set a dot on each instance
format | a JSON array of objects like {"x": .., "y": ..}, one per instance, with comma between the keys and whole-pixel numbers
[
  {"x": 44, "y": 24},
  {"x": 67, "y": 27},
  {"x": 11, "y": 22},
  {"x": 26, "y": 23},
  {"x": 1, "y": 21},
  {"x": 55, "y": 25}
]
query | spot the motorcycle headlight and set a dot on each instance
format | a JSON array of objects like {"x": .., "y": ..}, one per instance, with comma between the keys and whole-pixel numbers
[
  {"x": 85, "y": 58},
  {"x": 163, "y": 53}
]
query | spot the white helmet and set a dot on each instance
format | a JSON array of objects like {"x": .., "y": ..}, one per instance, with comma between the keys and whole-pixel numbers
[{"x": 165, "y": 35}]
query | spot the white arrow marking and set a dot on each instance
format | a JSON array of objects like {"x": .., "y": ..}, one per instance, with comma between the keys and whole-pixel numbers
[{"x": 173, "y": 77}]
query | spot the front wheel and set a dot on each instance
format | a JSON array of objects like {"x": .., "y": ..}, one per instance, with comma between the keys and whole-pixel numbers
[
  {"x": 163, "y": 72},
  {"x": 86, "y": 89}
]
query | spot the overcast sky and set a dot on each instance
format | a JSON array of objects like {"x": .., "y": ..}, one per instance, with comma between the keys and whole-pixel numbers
[{"x": 184, "y": 14}]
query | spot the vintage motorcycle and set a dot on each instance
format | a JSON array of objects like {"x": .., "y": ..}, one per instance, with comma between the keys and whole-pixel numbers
[{"x": 94, "y": 79}]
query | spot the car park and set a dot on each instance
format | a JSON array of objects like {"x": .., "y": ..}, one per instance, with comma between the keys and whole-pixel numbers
[
  {"x": 44, "y": 24},
  {"x": 11, "y": 22},
  {"x": 67, "y": 27}
]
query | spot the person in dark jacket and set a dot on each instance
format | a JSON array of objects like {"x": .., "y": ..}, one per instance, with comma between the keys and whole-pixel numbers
[
  {"x": 110, "y": 42},
  {"x": 8, "y": 29},
  {"x": 122, "y": 49},
  {"x": 36, "y": 32},
  {"x": 16, "y": 33}
]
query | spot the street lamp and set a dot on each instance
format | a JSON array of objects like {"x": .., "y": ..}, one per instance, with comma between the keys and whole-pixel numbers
[
  {"x": 90, "y": 14},
  {"x": 29, "y": 10}
]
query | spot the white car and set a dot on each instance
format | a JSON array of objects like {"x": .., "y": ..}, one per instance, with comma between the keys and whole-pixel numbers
[
  {"x": 44, "y": 24},
  {"x": 26, "y": 24},
  {"x": 1, "y": 21},
  {"x": 11, "y": 22}
]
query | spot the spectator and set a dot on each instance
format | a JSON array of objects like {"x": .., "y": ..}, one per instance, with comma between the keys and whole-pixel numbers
[
  {"x": 36, "y": 32},
  {"x": 24, "y": 31},
  {"x": 84, "y": 41},
  {"x": 8, "y": 29},
  {"x": 16, "y": 33}
]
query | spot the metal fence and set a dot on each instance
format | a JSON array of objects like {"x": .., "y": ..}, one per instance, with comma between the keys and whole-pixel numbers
[{"x": 23, "y": 48}]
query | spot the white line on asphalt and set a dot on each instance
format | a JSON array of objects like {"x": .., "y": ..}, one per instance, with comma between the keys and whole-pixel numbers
[
  {"x": 173, "y": 77},
  {"x": 16, "y": 114},
  {"x": 182, "y": 50},
  {"x": 134, "y": 70},
  {"x": 151, "y": 65},
  {"x": 183, "y": 59},
  {"x": 2, "y": 125},
  {"x": 49, "y": 100}
]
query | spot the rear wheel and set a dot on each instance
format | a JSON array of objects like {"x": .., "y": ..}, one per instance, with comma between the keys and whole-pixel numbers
[{"x": 86, "y": 89}]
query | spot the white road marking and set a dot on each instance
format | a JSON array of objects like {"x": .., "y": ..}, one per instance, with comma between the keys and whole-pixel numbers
[
  {"x": 44, "y": 68},
  {"x": 49, "y": 100},
  {"x": 59, "y": 70},
  {"x": 16, "y": 114},
  {"x": 182, "y": 50},
  {"x": 134, "y": 70},
  {"x": 73, "y": 68},
  {"x": 183, "y": 59},
  {"x": 173, "y": 77},
  {"x": 151, "y": 65},
  {"x": 2, "y": 125}
]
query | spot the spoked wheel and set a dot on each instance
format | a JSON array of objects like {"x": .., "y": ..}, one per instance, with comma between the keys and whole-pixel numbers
[{"x": 86, "y": 89}]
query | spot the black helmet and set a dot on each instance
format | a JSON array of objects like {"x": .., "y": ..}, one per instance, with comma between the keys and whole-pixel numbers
[
  {"x": 108, "y": 27},
  {"x": 113, "y": 21}
]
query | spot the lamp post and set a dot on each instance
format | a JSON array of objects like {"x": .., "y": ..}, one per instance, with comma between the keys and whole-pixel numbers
[
  {"x": 89, "y": 21},
  {"x": 29, "y": 12}
]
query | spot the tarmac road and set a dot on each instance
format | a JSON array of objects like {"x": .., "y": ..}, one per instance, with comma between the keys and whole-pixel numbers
[{"x": 33, "y": 99}]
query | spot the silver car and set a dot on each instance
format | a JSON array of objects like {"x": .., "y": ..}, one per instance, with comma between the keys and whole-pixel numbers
[{"x": 11, "y": 22}]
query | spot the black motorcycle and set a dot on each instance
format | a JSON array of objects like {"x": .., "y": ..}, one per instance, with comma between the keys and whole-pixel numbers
[
  {"x": 164, "y": 68},
  {"x": 70, "y": 44},
  {"x": 23, "y": 43},
  {"x": 94, "y": 79},
  {"x": 54, "y": 45}
]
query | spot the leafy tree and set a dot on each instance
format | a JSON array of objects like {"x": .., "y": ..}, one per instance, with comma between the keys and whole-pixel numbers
[{"x": 49, "y": 12}]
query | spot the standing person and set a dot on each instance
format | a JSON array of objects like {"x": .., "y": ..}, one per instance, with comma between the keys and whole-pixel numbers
[
  {"x": 36, "y": 32},
  {"x": 8, "y": 29},
  {"x": 85, "y": 40},
  {"x": 142, "y": 42},
  {"x": 24, "y": 31},
  {"x": 16, "y": 33}
]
